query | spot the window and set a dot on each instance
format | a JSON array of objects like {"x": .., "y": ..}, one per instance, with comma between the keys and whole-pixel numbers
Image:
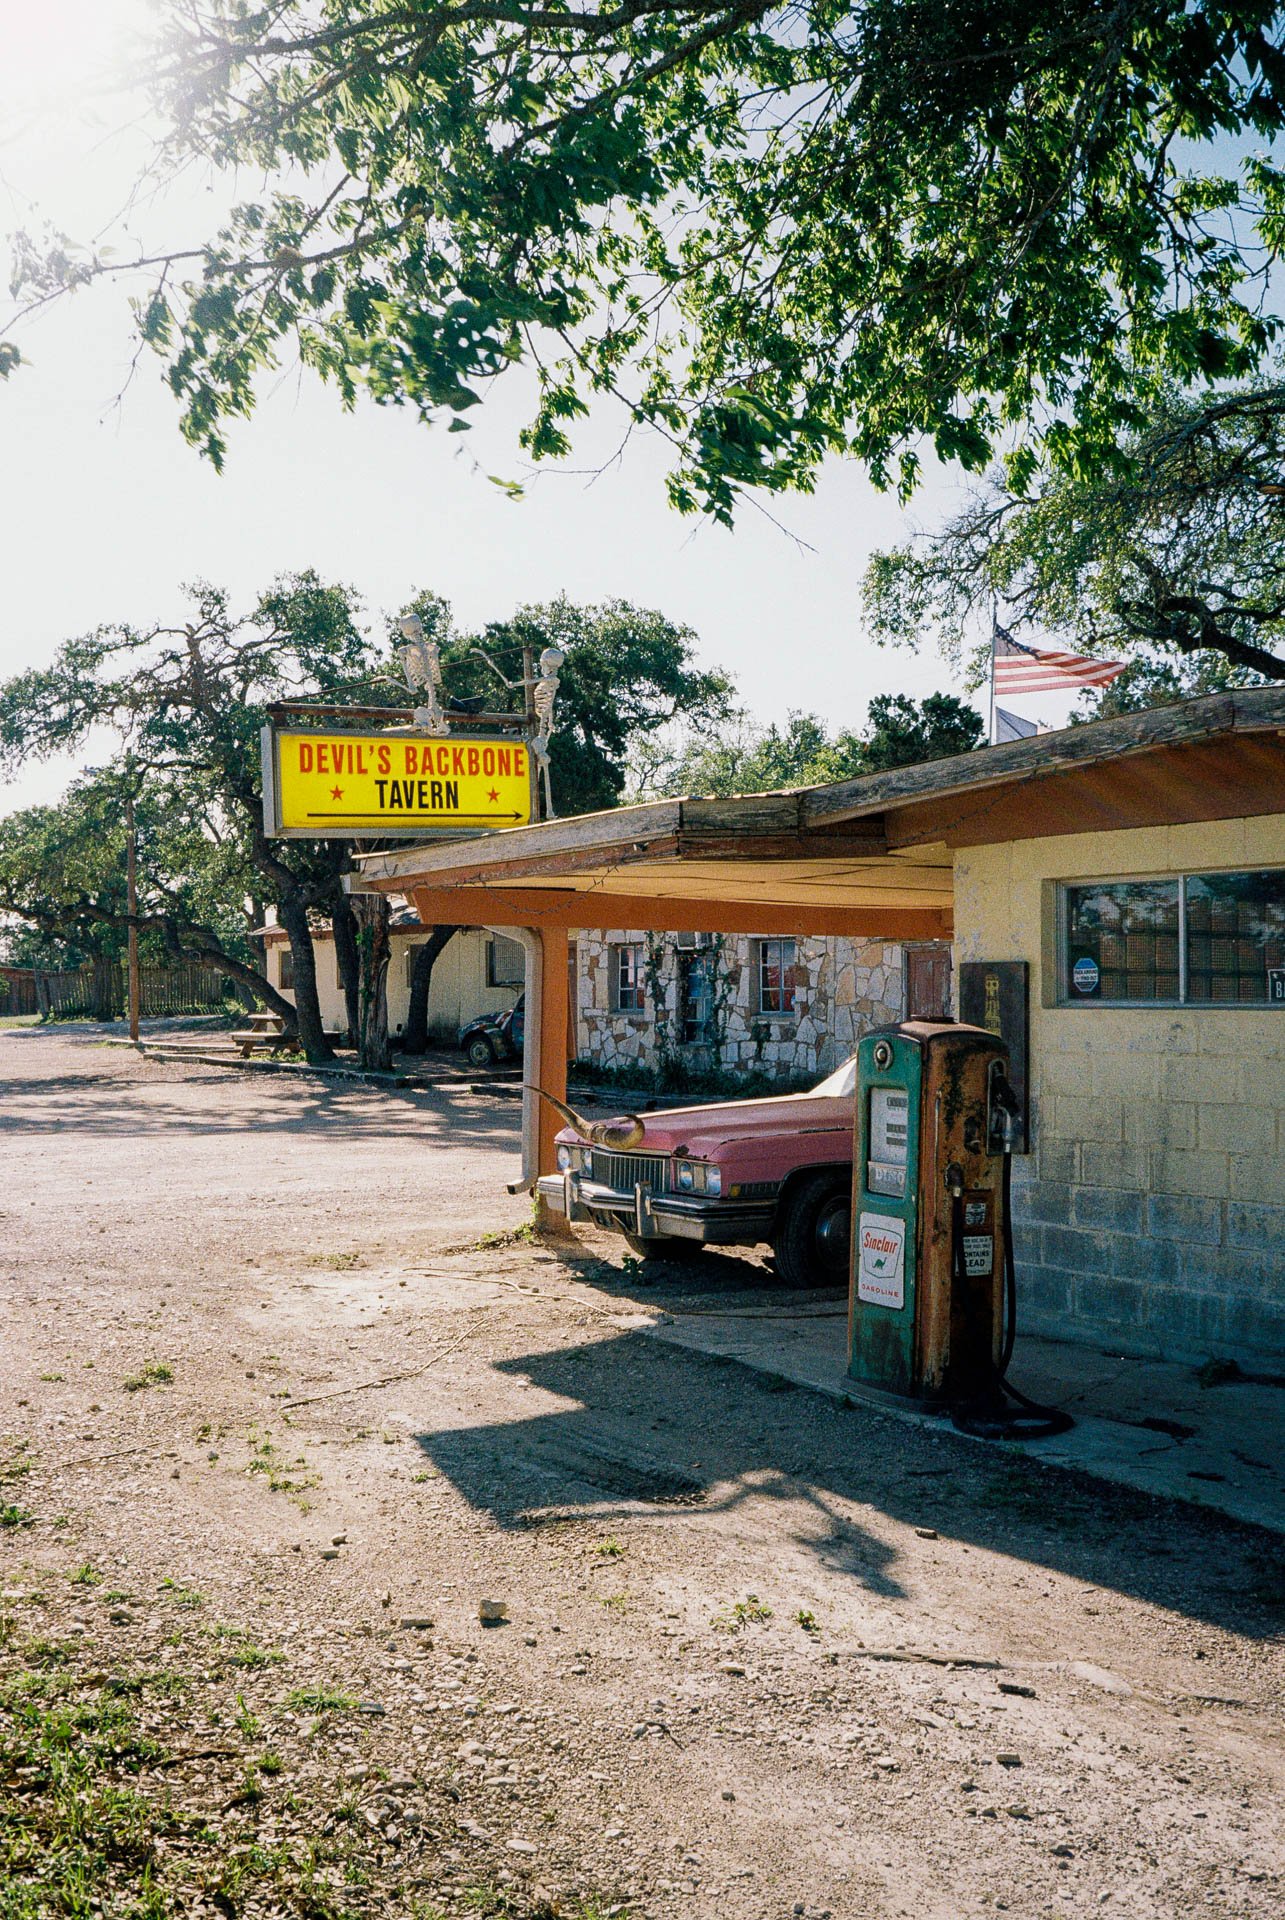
[
  {"x": 627, "y": 988},
  {"x": 775, "y": 977},
  {"x": 696, "y": 983},
  {"x": 1200, "y": 939},
  {"x": 411, "y": 952},
  {"x": 285, "y": 979},
  {"x": 505, "y": 963}
]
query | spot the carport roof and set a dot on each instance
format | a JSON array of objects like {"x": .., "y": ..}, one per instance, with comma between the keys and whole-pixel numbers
[{"x": 869, "y": 854}]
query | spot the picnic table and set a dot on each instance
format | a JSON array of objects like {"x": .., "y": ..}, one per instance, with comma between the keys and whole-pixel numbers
[{"x": 262, "y": 1030}]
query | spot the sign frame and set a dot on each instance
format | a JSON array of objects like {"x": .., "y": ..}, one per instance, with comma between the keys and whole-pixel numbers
[{"x": 460, "y": 825}]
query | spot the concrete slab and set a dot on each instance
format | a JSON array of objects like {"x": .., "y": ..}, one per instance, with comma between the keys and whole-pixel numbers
[{"x": 1147, "y": 1424}]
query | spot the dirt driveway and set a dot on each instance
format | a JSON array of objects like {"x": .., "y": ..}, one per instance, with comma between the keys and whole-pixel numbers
[{"x": 283, "y": 1402}]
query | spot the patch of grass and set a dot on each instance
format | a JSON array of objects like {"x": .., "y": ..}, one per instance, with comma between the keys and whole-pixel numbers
[
  {"x": 616, "y": 1602},
  {"x": 610, "y": 1548},
  {"x": 12, "y": 1516},
  {"x": 87, "y": 1575},
  {"x": 807, "y": 1620},
  {"x": 419, "y": 1478},
  {"x": 270, "y": 1764},
  {"x": 180, "y": 1595},
  {"x": 251, "y": 1657},
  {"x": 282, "y": 1475},
  {"x": 49, "y": 1653},
  {"x": 523, "y": 1236},
  {"x": 336, "y": 1262},
  {"x": 17, "y": 1463},
  {"x": 321, "y": 1700},
  {"x": 749, "y": 1612},
  {"x": 154, "y": 1373},
  {"x": 246, "y": 1722},
  {"x": 88, "y": 1835},
  {"x": 53, "y": 1378}
]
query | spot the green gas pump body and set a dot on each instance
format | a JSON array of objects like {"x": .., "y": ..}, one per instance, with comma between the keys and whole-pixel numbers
[{"x": 926, "y": 1301}]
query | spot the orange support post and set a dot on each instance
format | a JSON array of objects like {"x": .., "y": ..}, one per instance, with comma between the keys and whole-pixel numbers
[{"x": 551, "y": 1062}]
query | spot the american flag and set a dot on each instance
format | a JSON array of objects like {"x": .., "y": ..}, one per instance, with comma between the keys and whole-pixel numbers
[{"x": 1021, "y": 669}]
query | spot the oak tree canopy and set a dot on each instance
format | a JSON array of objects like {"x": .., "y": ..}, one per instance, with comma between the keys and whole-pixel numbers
[{"x": 773, "y": 231}]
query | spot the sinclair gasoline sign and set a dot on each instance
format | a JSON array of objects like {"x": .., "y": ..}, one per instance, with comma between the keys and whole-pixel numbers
[{"x": 333, "y": 784}]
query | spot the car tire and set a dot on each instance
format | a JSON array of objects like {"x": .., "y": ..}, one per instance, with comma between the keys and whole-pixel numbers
[
  {"x": 480, "y": 1051},
  {"x": 813, "y": 1233},
  {"x": 666, "y": 1248}
]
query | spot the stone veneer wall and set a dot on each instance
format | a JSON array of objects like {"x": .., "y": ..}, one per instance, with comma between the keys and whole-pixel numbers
[
  {"x": 842, "y": 988},
  {"x": 1150, "y": 1214}
]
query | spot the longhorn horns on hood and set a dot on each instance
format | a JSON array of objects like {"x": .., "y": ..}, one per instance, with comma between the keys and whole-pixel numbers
[{"x": 621, "y": 1134}]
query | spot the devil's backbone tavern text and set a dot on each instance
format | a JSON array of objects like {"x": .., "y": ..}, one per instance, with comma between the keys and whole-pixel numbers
[{"x": 321, "y": 784}]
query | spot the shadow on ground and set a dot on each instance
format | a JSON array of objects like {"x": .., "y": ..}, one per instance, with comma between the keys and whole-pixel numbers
[{"x": 661, "y": 1429}]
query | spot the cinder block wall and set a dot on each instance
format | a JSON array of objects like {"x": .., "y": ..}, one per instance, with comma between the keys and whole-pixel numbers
[{"x": 1150, "y": 1214}]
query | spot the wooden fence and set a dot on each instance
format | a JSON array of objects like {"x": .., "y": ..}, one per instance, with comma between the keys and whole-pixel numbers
[{"x": 189, "y": 987}]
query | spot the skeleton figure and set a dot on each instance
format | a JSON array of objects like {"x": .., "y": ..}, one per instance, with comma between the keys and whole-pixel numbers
[
  {"x": 544, "y": 696},
  {"x": 422, "y": 665}
]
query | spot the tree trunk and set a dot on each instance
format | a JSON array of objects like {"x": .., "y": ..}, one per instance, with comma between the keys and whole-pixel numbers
[
  {"x": 105, "y": 988},
  {"x": 348, "y": 961},
  {"x": 415, "y": 1034},
  {"x": 373, "y": 915},
  {"x": 312, "y": 1038}
]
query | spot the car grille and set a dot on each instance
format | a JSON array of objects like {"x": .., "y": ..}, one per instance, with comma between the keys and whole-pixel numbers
[{"x": 622, "y": 1172}]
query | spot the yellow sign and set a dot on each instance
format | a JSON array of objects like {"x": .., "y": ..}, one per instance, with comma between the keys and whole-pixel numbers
[{"x": 329, "y": 785}]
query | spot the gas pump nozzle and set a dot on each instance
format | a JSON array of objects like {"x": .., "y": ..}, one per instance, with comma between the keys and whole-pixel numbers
[{"x": 1002, "y": 1111}]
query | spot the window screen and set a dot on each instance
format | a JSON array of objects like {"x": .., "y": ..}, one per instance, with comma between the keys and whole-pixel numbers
[
  {"x": 1203, "y": 939},
  {"x": 775, "y": 984},
  {"x": 505, "y": 963},
  {"x": 627, "y": 979},
  {"x": 1122, "y": 940},
  {"x": 1235, "y": 933}
]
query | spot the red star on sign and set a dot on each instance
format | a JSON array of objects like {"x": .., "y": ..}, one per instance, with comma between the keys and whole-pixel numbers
[
  {"x": 493, "y": 794},
  {"x": 336, "y": 793}
]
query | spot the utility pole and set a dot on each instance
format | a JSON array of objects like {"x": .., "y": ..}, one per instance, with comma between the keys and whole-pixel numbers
[
  {"x": 528, "y": 708},
  {"x": 131, "y": 903}
]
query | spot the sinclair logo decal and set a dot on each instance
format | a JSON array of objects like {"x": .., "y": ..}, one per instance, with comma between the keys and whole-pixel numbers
[
  {"x": 333, "y": 784},
  {"x": 881, "y": 1268}
]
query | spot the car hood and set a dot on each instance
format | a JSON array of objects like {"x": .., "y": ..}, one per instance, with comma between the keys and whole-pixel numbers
[{"x": 704, "y": 1131}]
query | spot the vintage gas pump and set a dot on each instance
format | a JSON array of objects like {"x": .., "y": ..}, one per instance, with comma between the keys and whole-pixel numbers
[{"x": 933, "y": 1130}]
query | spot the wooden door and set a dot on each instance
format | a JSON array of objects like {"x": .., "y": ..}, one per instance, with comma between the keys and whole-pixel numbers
[{"x": 928, "y": 982}]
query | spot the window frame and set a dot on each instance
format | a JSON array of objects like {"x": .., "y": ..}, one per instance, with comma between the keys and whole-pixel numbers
[
  {"x": 617, "y": 950},
  {"x": 285, "y": 968},
  {"x": 504, "y": 986},
  {"x": 1063, "y": 996},
  {"x": 790, "y": 1012}
]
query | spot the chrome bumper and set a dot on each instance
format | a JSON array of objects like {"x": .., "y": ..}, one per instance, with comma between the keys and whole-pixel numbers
[{"x": 658, "y": 1216}]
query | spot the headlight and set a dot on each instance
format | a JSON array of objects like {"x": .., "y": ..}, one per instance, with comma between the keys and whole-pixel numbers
[
  {"x": 714, "y": 1180},
  {"x": 686, "y": 1175},
  {"x": 564, "y": 1159}
]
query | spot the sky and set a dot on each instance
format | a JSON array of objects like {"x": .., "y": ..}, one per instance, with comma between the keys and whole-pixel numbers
[{"x": 105, "y": 511}]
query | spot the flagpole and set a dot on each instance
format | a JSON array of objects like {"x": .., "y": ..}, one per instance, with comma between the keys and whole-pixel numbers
[{"x": 991, "y": 730}]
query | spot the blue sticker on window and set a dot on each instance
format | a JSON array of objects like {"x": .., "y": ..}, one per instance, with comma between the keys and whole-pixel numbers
[{"x": 1084, "y": 974}]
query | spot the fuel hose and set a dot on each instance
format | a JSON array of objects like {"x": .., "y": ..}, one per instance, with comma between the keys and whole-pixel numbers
[{"x": 1000, "y": 1411}]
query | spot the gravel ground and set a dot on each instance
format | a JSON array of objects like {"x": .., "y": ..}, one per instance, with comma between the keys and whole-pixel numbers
[{"x": 285, "y": 1398}]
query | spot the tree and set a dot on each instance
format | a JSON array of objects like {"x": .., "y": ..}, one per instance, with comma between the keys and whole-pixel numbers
[
  {"x": 773, "y": 233},
  {"x": 62, "y": 874},
  {"x": 190, "y": 699},
  {"x": 1177, "y": 562},
  {"x": 629, "y": 673},
  {"x": 415, "y": 1031},
  {"x": 904, "y": 733},
  {"x": 802, "y": 753}
]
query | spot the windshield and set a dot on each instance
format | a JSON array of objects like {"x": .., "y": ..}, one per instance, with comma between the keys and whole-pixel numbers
[{"x": 841, "y": 1082}]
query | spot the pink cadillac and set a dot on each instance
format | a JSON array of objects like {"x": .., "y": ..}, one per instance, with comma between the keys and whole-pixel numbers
[{"x": 732, "y": 1174}]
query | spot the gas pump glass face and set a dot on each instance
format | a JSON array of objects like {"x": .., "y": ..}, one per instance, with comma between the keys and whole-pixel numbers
[{"x": 888, "y": 1134}]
